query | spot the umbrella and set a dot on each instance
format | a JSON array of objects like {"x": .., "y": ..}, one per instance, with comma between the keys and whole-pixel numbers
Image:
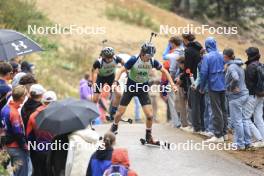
[
  {"x": 13, "y": 44},
  {"x": 67, "y": 116}
]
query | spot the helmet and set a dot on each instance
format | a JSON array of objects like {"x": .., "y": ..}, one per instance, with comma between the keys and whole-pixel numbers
[
  {"x": 107, "y": 52},
  {"x": 148, "y": 48}
]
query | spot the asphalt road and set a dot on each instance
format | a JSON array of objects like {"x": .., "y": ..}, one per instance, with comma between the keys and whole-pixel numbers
[{"x": 180, "y": 160}]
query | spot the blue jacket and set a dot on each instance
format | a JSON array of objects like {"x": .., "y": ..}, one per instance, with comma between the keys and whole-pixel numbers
[
  {"x": 235, "y": 78},
  {"x": 99, "y": 162},
  {"x": 212, "y": 68}
]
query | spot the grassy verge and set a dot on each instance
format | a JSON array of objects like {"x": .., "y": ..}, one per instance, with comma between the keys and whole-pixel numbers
[{"x": 137, "y": 17}]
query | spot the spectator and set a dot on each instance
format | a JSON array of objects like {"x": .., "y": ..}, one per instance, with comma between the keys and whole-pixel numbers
[
  {"x": 192, "y": 59},
  {"x": 192, "y": 54},
  {"x": 237, "y": 95},
  {"x": 33, "y": 102},
  {"x": 181, "y": 98},
  {"x": 27, "y": 80},
  {"x": 36, "y": 137},
  {"x": 17, "y": 78},
  {"x": 15, "y": 132},
  {"x": 120, "y": 164},
  {"x": 27, "y": 67},
  {"x": 5, "y": 76},
  {"x": 212, "y": 72},
  {"x": 85, "y": 90},
  {"x": 101, "y": 159},
  {"x": 254, "y": 104},
  {"x": 170, "y": 55}
]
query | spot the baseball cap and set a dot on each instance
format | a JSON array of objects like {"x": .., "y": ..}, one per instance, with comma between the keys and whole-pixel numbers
[
  {"x": 49, "y": 96},
  {"x": 37, "y": 89}
]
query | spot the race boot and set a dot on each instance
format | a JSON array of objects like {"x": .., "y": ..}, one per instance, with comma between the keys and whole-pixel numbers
[
  {"x": 149, "y": 138},
  {"x": 114, "y": 128}
]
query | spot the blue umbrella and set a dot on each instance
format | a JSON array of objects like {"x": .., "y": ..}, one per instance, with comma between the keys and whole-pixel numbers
[{"x": 13, "y": 44}]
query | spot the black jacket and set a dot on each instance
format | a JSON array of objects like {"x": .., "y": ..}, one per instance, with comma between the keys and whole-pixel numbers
[
  {"x": 28, "y": 108},
  {"x": 251, "y": 76},
  {"x": 193, "y": 57}
]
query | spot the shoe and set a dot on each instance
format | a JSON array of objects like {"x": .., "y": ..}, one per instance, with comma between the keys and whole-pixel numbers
[
  {"x": 114, "y": 128},
  {"x": 187, "y": 129},
  {"x": 215, "y": 140},
  {"x": 174, "y": 126},
  {"x": 258, "y": 144},
  {"x": 196, "y": 132},
  {"x": 234, "y": 146},
  {"x": 208, "y": 134},
  {"x": 226, "y": 137}
]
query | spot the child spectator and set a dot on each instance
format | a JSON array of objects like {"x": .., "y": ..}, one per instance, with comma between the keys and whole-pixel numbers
[{"x": 101, "y": 159}]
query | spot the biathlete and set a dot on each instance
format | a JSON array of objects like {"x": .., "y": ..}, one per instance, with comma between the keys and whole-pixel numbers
[
  {"x": 103, "y": 72},
  {"x": 138, "y": 68}
]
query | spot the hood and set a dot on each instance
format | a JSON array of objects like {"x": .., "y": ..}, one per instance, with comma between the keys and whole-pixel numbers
[
  {"x": 237, "y": 61},
  {"x": 195, "y": 45},
  {"x": 120, "y": 156},
  {"x": 210, "y": 44},
  {"x": 252, "y": 59},
  {"x": 83, "y": 81},
  {"x": 88, "y": 135},
  {"x": 104, "y": 154}
]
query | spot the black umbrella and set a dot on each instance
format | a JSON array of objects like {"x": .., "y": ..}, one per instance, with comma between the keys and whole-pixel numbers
[
  {"x": 13, "y": 44},
  {"x": 67, "y": 116}
]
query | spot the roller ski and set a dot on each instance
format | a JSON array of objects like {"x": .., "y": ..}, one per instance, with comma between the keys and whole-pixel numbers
[
  {"x": 152, "y": 143},
  {"x": 111, "y": 119}
]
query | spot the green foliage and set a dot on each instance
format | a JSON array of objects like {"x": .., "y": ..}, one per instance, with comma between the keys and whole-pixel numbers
[
  {"x": 165, "y": 4},
  {"x": 138, "y": 17},
  {"x": 3, "y": 157},
  {"x": 18, "y": 14}
]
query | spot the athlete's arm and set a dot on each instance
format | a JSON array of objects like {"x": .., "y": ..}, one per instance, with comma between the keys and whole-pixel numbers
[
  {"x": 164, "y": 71},
  {"x": 119, "y": 73},
  {"x": 95, "y": 70}
]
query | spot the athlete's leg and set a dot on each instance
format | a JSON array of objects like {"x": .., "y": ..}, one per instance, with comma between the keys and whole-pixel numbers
[
  {"x": 125, "y": 100},
  {"x": 97, "y": 88},
  {"x": 147, "y": 109},
  {"x": 116, "y": 96},
  {"x": 120, "y": 112},
  {"x": 114, "y": 104}
]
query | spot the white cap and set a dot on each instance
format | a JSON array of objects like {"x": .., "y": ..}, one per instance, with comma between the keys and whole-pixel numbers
[
  {"x": 37, "y": 89},
  {"x": 49, "y": 96}
]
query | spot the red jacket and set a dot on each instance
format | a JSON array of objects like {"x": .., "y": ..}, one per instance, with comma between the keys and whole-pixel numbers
[
  {"x": 14, "y": 125},
  {"x": 120, "y": 156}
]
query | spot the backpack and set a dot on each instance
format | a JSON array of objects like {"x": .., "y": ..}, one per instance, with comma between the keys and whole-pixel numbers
[
  {"x": 116, "y": 170},
  {"x": 260, "y": 83}
]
